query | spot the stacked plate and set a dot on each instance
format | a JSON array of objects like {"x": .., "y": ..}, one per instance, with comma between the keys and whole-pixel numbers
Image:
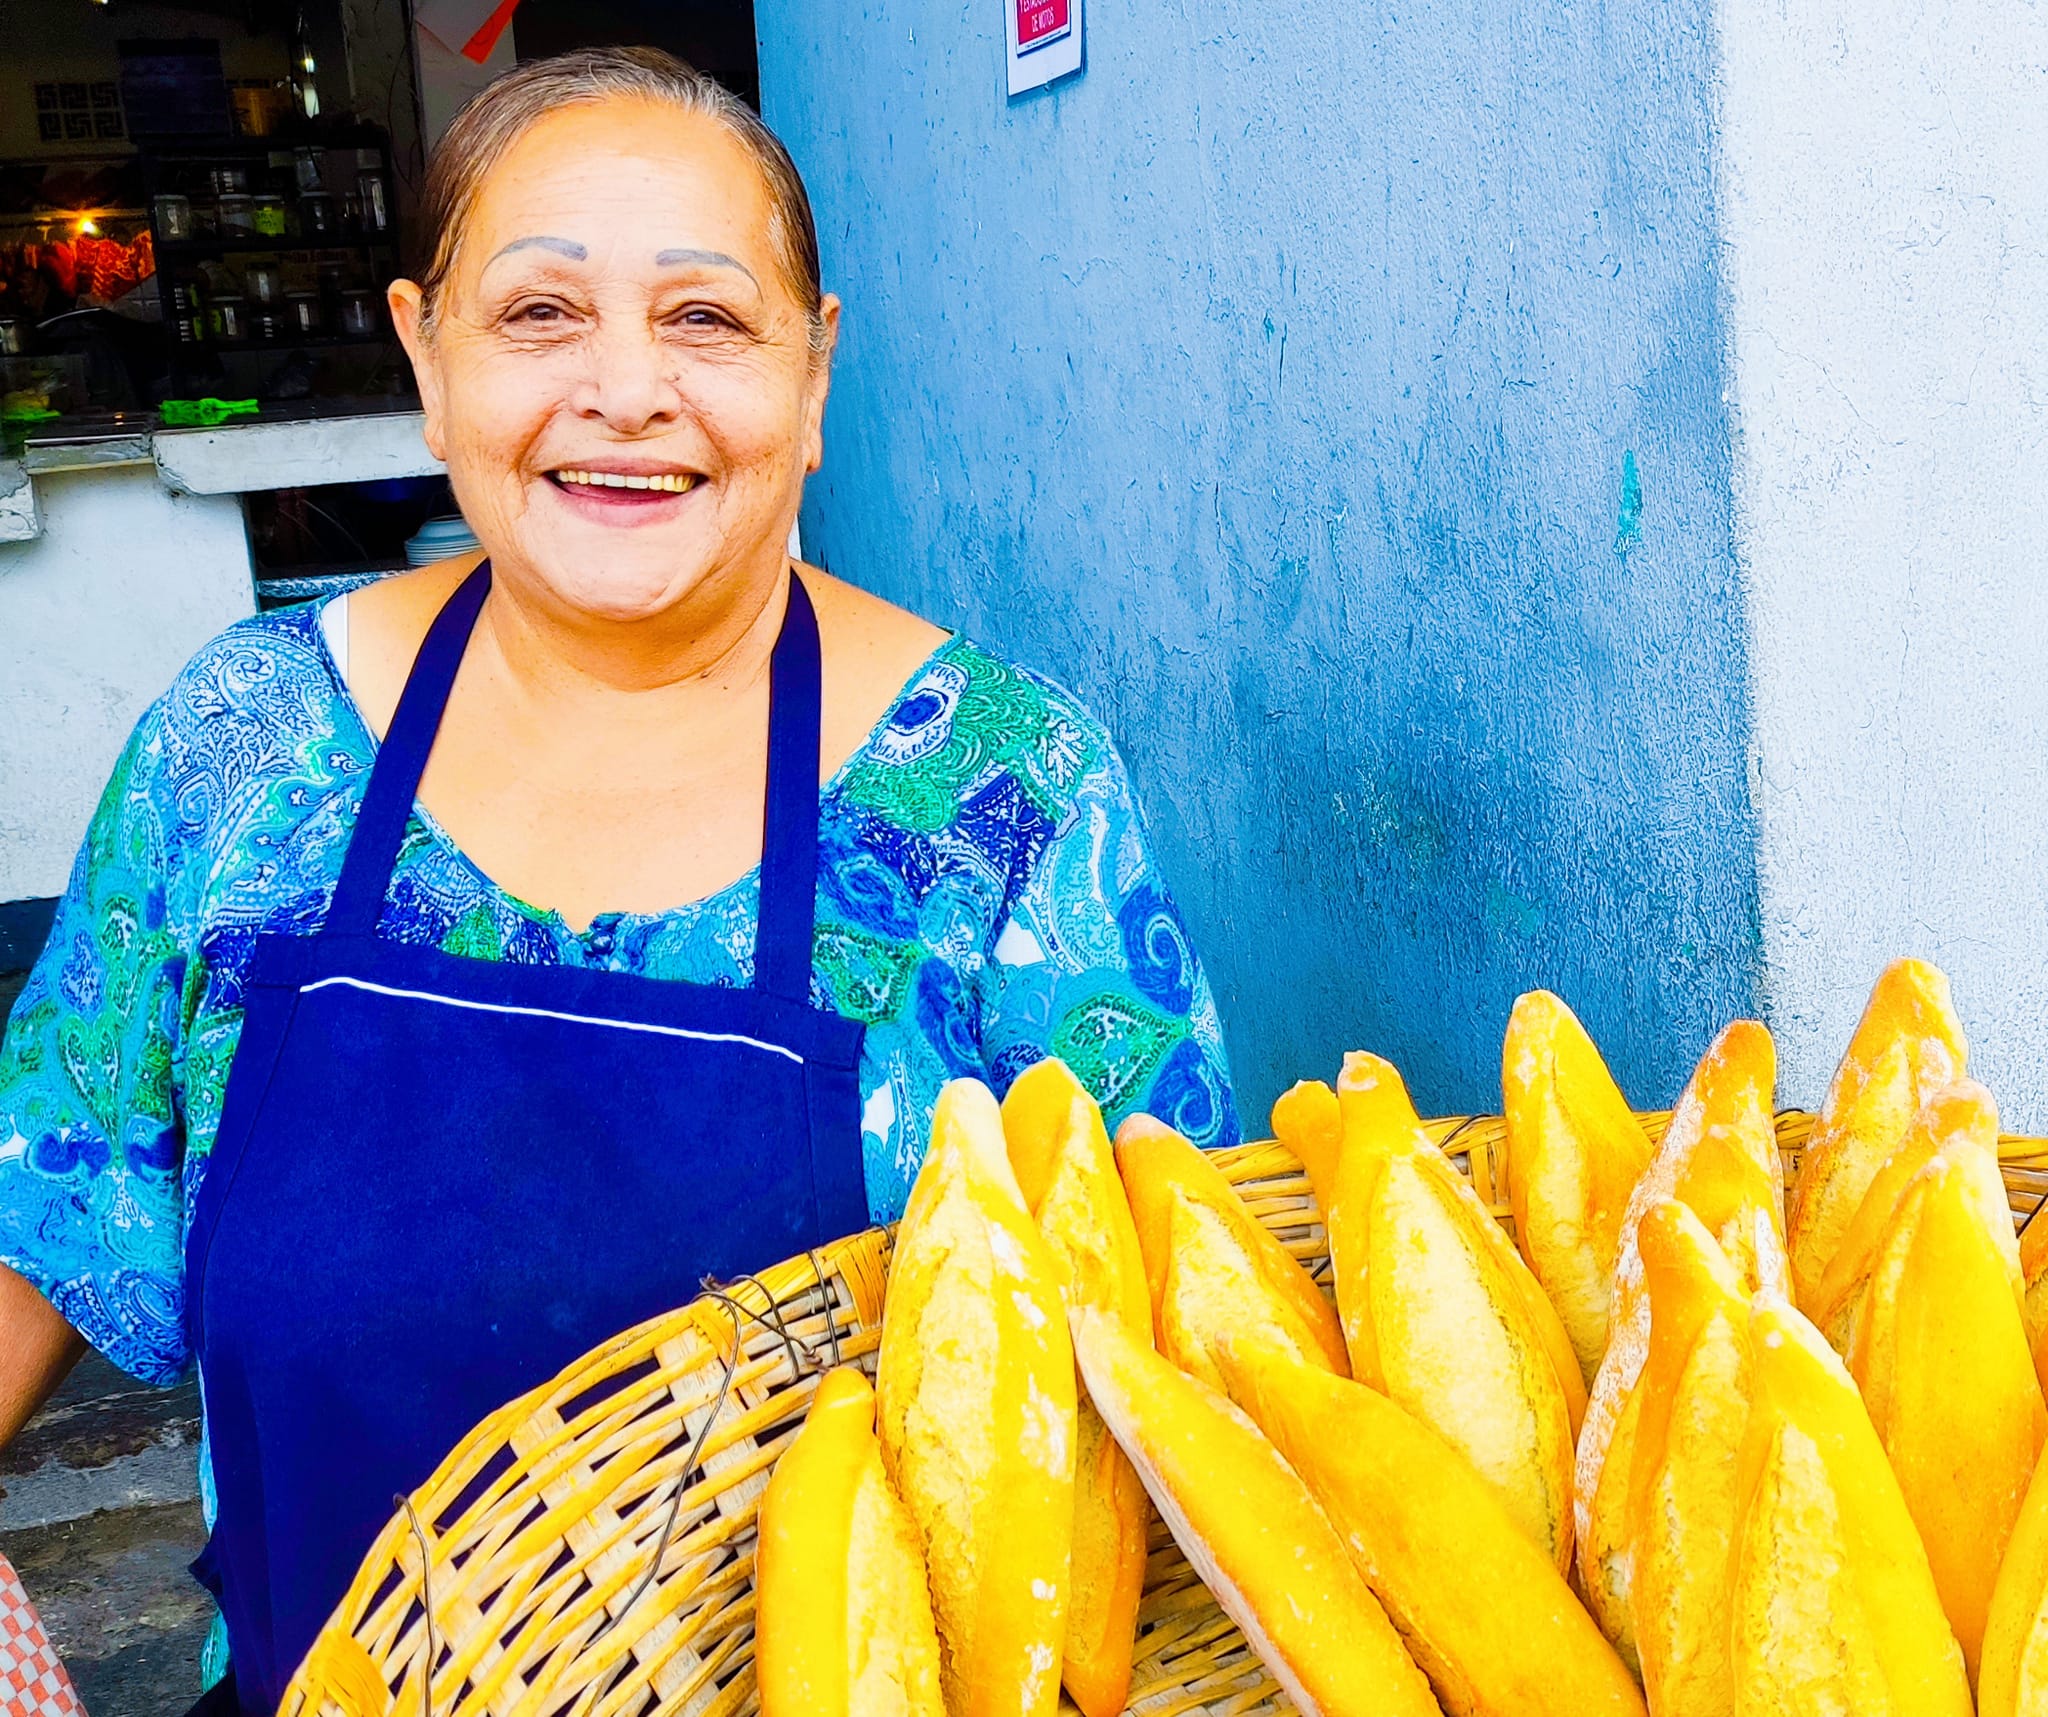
[{"x": 440, "y": 538}]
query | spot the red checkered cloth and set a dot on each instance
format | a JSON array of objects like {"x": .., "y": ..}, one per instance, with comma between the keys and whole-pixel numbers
[{"x": 32, "y": 1678}]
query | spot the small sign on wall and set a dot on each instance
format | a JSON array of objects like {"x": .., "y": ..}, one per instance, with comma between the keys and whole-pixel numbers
[{"x": 1044, "y": 39}]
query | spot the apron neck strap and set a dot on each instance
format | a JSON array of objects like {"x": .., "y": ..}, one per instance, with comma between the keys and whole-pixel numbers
[
  {"x": 789, "y": 844},
  {"x": 789, "y": 834},
  {"x": 402, "y": 759}
]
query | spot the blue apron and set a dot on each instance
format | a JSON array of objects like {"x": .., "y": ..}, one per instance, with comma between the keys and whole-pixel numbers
[{"x": 439, "y": 1180}]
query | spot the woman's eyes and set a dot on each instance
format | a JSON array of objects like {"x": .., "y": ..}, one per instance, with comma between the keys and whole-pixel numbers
[
  {"x": 539, "y": 314},
  {"x": 700, "y": 316},
  {"x": 545, "y": 313}
]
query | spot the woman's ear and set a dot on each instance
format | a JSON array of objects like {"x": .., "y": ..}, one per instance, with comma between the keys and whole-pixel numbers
[
  {"x": 408, "y": 307},
  {"x": 820, "y": 383}
]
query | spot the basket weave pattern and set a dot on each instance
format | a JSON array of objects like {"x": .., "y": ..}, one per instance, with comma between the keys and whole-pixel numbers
[{"x": 587, "y": 1551}]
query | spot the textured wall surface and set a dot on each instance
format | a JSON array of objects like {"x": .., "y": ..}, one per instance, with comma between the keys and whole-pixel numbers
[
  {"x": 1334, "y": 397},
  {"x": 85, "y": 644},
  {"x": 1887, "y": 247}
]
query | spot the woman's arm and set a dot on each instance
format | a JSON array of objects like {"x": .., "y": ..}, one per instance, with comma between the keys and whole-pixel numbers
[
  {"x": 37, "y": 1349},
  {"x": 91, "y": 1105}
]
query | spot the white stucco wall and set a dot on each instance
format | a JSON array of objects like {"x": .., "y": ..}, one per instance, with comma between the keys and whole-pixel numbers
[
  {"x": 87, "y": 640},
  {"x": 1883, "y": 179}
]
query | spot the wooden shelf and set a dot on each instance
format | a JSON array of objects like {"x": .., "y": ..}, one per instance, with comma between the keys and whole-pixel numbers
[
  {"x": 192, "y": 348},
  {"x": 265, "y": 242}
]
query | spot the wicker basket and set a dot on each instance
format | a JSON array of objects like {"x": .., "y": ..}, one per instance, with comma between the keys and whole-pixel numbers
[{"x": 588, "y": 1549}]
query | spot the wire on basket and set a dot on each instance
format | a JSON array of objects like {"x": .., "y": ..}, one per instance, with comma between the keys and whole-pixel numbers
[
  {"x": 426, "y": 1604},
  {"x": 798, "y": 1352},
  {"x": 804, "y": 1357},
  {"x": 1463, "y": 1127},
  {"x": 825, "y": 1299},
  {"x": 2040, "y": 1204},
  {"x": 733, "y": 1310},
  {"x": 675, "y": 1503}
]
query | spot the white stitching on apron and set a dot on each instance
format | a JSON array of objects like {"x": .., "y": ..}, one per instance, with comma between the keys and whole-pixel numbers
[{"x": 552, "y": 1013}]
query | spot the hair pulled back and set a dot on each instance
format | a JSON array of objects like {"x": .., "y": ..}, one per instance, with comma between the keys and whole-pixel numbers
[{"x": 500, "y": 113}]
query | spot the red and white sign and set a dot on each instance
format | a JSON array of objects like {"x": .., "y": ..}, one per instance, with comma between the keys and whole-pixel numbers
[
  {"x": 1042, "y": 21},
  {"x": 470, "y": 28},
  {"x": 1044, "y": 39}
]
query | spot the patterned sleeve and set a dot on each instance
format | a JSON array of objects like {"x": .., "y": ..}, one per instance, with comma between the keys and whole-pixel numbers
[
  {"x": 90, "y": 1147},
  {"x": 1092, "y": 963}
]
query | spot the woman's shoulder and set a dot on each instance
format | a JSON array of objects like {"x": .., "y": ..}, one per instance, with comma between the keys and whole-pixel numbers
[
  {"x": 973, "y": 735},
  {"x": 256, "y": 710},
  {"x": 270, "y": 667}
]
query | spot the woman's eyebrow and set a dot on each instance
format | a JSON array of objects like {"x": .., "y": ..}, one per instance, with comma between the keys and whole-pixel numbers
[
  {"x": 710, "y": 258},
  {"x": 560, "y": 246}
]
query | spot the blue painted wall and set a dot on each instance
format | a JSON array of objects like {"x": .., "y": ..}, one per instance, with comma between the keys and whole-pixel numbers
[{"x": 1332, "y": 394}]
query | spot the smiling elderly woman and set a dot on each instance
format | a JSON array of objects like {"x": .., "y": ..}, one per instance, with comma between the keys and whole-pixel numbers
[{"x": 454, "y": 975}]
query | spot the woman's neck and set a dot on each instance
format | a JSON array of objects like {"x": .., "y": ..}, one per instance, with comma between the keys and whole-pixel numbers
[
  {"x": 717, "y": 640},
  {"x": 591, "y": 768}
]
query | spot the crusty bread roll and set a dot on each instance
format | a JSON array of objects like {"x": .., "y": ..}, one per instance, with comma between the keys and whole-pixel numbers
[
  {"x": 843, "y": 1622},
  {"x": 977, "y": 1425}
]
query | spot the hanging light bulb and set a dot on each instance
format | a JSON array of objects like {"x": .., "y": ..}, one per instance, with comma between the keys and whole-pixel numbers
[
  {"x": 307, "y": 61},
  {"x": 87, "y": 226}
]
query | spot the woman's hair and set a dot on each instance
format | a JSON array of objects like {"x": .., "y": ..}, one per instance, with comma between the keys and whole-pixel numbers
[{"x": 500, "y": 113}]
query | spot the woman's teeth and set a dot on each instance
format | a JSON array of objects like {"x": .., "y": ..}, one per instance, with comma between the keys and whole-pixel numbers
[{"x": 669, "y": 485}]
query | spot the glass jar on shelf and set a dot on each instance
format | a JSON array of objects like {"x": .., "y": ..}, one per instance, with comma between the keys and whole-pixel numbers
[
  {"x": 264, "y": 283},
  {"x": 302, "y": 312},
  {"x": 318, "y": 216},
  {"x": 269, "y": 217},
  {"x": 376, "y": 200},
  {"x": 359, "y": 313},
  {"x": 231, "y": 317},
  {"x": 236, "y": 214},
  {"x": 174, "y": 217}
]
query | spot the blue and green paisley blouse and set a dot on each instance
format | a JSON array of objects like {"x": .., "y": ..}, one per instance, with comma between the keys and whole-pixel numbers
[{"x": 986, "y": 898}]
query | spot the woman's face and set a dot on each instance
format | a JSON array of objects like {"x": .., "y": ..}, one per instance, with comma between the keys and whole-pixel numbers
[{"x": 619, "y": 377}]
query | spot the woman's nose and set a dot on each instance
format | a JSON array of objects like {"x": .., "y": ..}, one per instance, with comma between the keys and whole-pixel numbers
[{"x": 629, "y": 380}]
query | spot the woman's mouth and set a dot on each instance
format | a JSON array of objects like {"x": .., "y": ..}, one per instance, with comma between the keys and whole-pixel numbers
[
  {"x": 625, "y": 497},
  {"x": 606, "y": 484}
]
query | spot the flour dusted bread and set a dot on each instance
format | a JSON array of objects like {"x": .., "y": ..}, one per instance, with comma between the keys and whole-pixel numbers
[
  {"x": 1212, "y": 1267},
  {"x": 1719, "y": 1156},
  {"x": 975, "y": 1387},
  {"x": 2013, "y": 1678},
  {"x": 1939, "y": 1350},
  {"x": 1440, "y": 1312},
  {"x": 1693, "y": 1402},
  {"x": 1959, "y": 1118},
  {"x": 1833, "y": 1605},
  {"x": 1308, "y": 1121},
  {"x": 1906, "y": 1047},
  {"x": 1068, "y": 1177},
  {"x": 1253, "y": 1532},
  {"x": 1575, "y": 1151},
  {"x": 1429, "y": 1535},
  {"x": 843, "y": 1621}
]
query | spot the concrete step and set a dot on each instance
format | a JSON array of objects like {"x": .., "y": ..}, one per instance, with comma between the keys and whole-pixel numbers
[
  {"x": 125, "y": 1616},
  {"x": 102, "y": 1441},
  {"x": 99, "y": 1511}
]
